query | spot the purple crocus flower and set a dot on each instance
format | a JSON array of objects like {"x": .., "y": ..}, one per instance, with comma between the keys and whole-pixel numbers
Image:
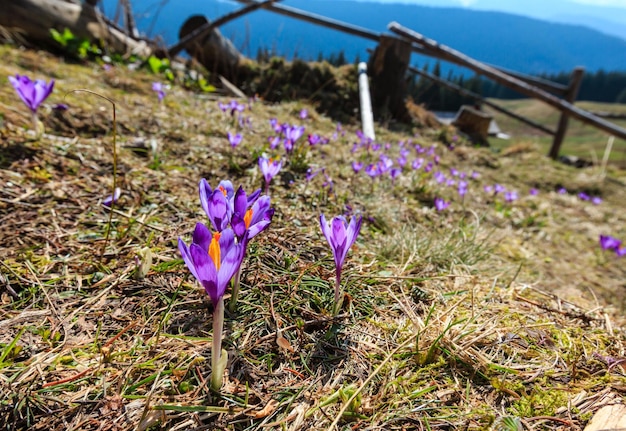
[
  {"x": 608, "y": 242},
  {"x": 562, "y": 191},
  {"x": 304, "y": 114},
  {"x": 32, "y": 93},
  {"x": 583, "y": 196},
  {"x": 234, "y": 139},
  {"x": 274, "y": 125},
  {"x": 340, "y": 236},
  {"x": 428, "y": 167},
  {"x": 394, "y": 173},
  {"x": 511, "y": 196},
  {"x": 214, "y": 259},
  {"x": 159, "y": 89},
  {"x": 269, "y": 169},
  {"x": 111, "y": 199},
  {"x": 294, "y": 132},
  {"x": 310, "y": 174},
  {"x": 533, "y": 192},
  {"x": 440, "y": 204},
  {"x": 252, "y": 214},
  {"x": 498, "y": 188},
  {"x": 219, "y": 210},
  {"x": 60, "y": 107},
  {"x": 417, "y": 163},
  {"x": 217, "y": 204},
  {"x": 372, "y": 170},
  {"x": 488, "y": 189},
  {"x": 236, "y": 107},
  {"x": 620, "y": 251},
  {"x": 274, "y": 141},
  {"x": 205, "y": 191},
  {"x": 462, "y": 188},
  {"x": 314, "y": 139},
  {"x": 596, "y": 200},
  {"x": 439, "y": 177},
  {"x": 357, "y": 166}
]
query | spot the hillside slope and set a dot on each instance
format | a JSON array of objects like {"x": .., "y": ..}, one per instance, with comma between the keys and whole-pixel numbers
[{"x": 497, "y": 312}]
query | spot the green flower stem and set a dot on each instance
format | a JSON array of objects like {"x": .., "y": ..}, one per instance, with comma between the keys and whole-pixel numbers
[
  {"x": 38, "y": 130},
  {"x": 337, "y": 292},
  {"x": 234, "y": 296},
  {"x": 217, "y": 372}
]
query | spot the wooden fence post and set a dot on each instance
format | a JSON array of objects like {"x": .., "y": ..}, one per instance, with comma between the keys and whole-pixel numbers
[
  {"x": 389, "y": 65},
  {"x": 570, "y": 96}
]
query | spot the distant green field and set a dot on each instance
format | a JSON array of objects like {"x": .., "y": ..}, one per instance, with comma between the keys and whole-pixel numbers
[{"x": 581, "y": 140}]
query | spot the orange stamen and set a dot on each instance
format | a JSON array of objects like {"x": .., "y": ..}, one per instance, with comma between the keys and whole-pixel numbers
[
  {"x": 223, "y": 190},
  {"x": 214, "y": 250},
  {"x": 248, "y": 218}
]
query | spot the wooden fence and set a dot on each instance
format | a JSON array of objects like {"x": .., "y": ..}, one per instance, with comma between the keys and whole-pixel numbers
[{"x": 391, "y": 62}]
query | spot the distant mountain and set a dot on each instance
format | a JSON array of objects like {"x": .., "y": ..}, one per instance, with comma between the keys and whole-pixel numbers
[{"x": 511, "y": 41}]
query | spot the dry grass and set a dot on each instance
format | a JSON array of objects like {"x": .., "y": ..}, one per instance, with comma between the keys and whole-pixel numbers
[
  {"x": 581, "y": 140},
  {"x": 486, "y": 316}
]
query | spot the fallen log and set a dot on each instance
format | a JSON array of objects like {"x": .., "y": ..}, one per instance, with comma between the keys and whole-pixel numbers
[
  {"x": 33, "y": 19},
  {"x": 212, "y": 50}
]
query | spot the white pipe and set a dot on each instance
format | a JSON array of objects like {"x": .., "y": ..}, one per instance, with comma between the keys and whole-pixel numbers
[{"x": 367, "y": 118}]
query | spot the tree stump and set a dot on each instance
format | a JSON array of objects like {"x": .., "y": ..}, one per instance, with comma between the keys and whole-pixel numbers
[
  {"x": 388, "y": 66},
  {"x": 474, "y": 123}
]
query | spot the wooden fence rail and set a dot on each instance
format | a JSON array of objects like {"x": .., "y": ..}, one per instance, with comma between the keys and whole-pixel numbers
[
  {"x": 478, "y": 97},
  {"x": 511, "y": 82}
]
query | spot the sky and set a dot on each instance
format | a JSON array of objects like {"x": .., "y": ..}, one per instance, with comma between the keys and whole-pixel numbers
[
  {"x": 505, "y": 4},
  {"x": 608, "y": 16}
]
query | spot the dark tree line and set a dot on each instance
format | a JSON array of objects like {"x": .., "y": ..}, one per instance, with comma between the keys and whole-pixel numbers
[{"x": 600, "y": 86}]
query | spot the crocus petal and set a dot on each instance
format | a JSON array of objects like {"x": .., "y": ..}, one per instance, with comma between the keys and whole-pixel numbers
[
  {"x": 240, "y": 204},
  {"x": 230, "y": 265},
  {"x": 184, "y": 251},
  {"x": 202, "y": 236},
  {"x": 325, "y": 229},
  {"x": 207, "y": 273},
  {"x": 205, "y": 192},
  {"x": 227, "y": 239},
  {"x": 252, "y": 197}
]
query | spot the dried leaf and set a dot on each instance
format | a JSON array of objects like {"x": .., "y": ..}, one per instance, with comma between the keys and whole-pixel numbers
[
  {"x": 269, "y": 408},
  {"x": 283, "y": 343}
]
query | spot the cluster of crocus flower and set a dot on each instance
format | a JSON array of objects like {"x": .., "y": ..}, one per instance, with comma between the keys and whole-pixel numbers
[
  {"x": 393, "y": 167},
  {"x": 340, "y": 235},
  {"x": 234, "y": 107},
  {"x": 215, "y": 256},
  {"x": 287, "y": 132},
  {"x": 32, "y": 93},
  {"x": 608, "y": 242}
]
